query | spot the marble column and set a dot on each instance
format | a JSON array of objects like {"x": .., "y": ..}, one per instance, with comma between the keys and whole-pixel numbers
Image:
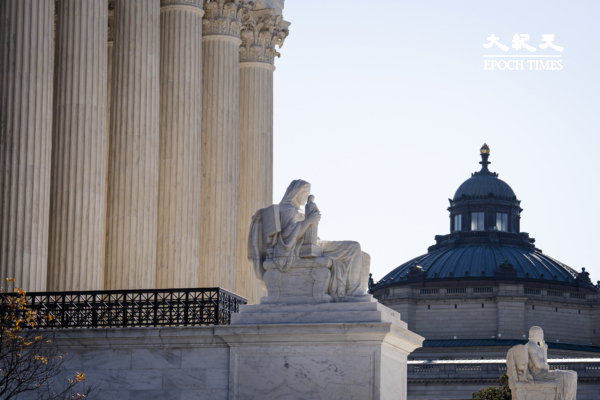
[
  {"x": 109, "y": 59},
  {"x": 261, "y": 33},
  {"x": 220, "y": 142},
  {"x": 133, "y": 154},
  {"x": 179, "y": 150},
  {"x": 78, "y": 147},
  {"x": 26, "y": 68}
]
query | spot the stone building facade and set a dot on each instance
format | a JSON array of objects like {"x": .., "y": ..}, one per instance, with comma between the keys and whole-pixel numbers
[
  {"x": 479, "y": 289},
  {"x": 136, "y": 140}
]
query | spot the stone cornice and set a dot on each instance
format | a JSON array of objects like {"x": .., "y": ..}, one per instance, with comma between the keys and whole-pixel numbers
[
  {"x": 225, "y": 17},
  {"x": 261, "y": 32}
]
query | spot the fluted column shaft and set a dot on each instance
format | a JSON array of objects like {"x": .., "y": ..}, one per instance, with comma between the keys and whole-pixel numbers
[
  {"x": 220, "y": 142},
  {"x": 256, "y": 162},
  {"x": 26, "y": 68},
  {"x": 220, "y": 169},
  {"x": 180, "y": 139},
  {"x": 133, "y": 153},
  {"x": 261, "y": 33},
  {"x": 109, "y": 60},
  {"x": 79, "y": 147}
]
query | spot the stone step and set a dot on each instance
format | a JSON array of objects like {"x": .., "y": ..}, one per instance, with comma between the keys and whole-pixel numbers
[{"x": 316, "y": 313}]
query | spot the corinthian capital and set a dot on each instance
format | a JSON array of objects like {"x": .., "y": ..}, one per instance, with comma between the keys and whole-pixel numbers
[
  {"x": 224, "y": 17},
  {"x": 261, "y": 32}
]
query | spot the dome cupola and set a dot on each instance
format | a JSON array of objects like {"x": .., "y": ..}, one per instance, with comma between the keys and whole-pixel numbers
[{"x": 484, "y": 202}]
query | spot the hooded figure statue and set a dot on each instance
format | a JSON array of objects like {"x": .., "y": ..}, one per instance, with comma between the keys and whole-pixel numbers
[{"x": 347, "y": 257}]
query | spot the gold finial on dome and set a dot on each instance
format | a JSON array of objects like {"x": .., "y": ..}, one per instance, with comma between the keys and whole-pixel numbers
[{"x": 485, "y": 149}]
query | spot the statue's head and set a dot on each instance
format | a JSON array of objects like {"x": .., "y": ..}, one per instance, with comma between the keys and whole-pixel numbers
[
  {"x": 297, "y": 193},
  {"x": 536, "y": 334}
]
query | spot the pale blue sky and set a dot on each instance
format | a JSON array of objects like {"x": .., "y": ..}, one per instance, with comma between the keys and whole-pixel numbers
[{"x": 383, "y": 106}]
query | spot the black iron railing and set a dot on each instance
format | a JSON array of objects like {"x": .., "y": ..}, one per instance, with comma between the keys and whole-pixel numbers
[{"x": 134, "y": 308}]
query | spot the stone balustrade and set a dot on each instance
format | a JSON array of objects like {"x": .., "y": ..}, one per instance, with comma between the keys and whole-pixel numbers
[{"x": 457, "y": 379}]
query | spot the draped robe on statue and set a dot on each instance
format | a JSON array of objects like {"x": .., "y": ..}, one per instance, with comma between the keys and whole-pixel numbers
[
  {"x": 527, "y": 364},
  {"x": 347, "y": 258},
  {"x": 566, "y": 381}
]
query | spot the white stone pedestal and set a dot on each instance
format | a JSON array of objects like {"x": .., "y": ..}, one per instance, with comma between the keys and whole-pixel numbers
[{"x": 329, "y": 351}]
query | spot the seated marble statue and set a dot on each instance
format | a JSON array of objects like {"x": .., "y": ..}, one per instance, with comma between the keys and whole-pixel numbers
[
  {"x": 283, "y": 244},
  {"x": 529, "y": 375}
]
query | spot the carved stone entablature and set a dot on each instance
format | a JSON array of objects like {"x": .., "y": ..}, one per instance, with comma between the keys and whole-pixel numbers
[
  {"x": 225, "y": 17},
  {"x": 261, "y": 32}
]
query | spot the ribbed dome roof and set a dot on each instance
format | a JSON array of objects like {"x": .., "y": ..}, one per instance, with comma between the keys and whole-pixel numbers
[
  {"x": 482, "y": 252},
  {"x": 483, "y": 260},
  {"x": 481, "y": 185}
]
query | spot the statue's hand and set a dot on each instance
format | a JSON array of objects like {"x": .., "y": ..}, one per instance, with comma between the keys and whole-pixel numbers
[{"x": 314, "y": 217}]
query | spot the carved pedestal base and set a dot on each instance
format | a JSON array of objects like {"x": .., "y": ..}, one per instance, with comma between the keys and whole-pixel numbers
[
  {"x": 335, "y": 351},
  {"x": 533, "y": 393},
  {"x": 305, "y": 282}
]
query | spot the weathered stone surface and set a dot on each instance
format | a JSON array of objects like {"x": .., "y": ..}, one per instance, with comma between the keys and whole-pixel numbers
[
  {"x": 26, "y": 67},
  {"x": 107, "y": 359},
  {"x": 150, "y": 363},
  {"x": 344, "y": 351},
  {"x": 180, "y": 143},
  {"x": 79, "y": 147},
  {"x": 156, "y": 358},
  {"x": 324, "y": 351},
  {"x": 131, "y": 221}
]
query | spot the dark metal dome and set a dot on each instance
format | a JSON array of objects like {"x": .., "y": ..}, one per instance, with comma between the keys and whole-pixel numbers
[
  {"x": 485, "y": 242},
  {"x": 474, "y": 261},
  {"x": 482, "y": 185}
]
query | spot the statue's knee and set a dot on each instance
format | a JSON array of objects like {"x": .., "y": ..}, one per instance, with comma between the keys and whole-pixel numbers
[{"x": 355, "y": 246}]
